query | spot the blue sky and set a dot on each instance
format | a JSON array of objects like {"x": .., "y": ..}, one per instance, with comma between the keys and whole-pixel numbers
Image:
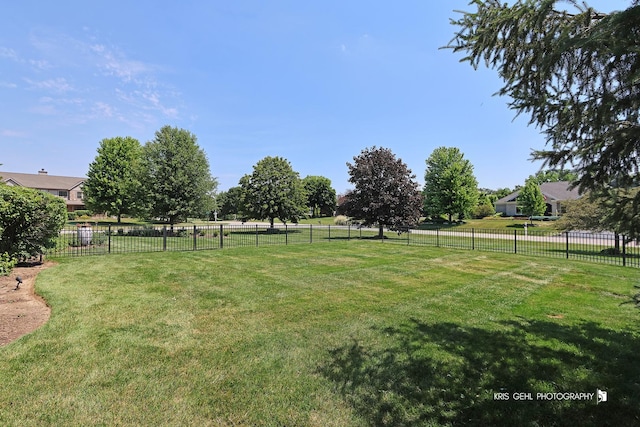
[{"x": 314, "y": 82}]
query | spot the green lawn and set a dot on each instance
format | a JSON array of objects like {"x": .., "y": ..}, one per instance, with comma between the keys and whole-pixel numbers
[
  {"x": 339, "y": 334},
  {"x": 492, "y": 223}
]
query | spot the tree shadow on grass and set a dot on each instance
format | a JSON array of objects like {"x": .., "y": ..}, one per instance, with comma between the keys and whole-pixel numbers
[{"x": 446, "y": 374}]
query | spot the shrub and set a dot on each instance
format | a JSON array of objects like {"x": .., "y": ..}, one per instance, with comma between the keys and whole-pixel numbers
[
  {"x": 82, "y": 212},
  {"x": 144, "y": 231},
  {"x": 483, "y": 211},
  {"x": 341, "y": 220},
  {"x": 71, "y": 216},
  {"x": 30, "y": 221},
  {"x": 6, "y": 264}
]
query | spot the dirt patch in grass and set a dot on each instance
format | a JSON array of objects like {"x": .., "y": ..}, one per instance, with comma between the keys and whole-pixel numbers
[{"x": 21, "y": 310}]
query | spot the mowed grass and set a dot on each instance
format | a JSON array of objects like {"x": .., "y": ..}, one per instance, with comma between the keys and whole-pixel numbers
[{"x": 338, "y": 334}]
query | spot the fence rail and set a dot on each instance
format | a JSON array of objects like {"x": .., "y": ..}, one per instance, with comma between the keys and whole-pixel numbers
[{"x": 111, "y": 239}]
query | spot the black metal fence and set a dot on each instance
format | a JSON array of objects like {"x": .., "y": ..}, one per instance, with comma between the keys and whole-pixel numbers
[{"x": 99, "y": 239}]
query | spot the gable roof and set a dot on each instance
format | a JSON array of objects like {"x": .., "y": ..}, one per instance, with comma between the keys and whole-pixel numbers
[
  {"x": 41, "y": 181},
  {"x": 550, "y": 190}
]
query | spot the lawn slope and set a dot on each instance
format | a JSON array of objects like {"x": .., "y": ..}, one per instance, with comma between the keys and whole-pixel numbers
[{"x": 341, "y": 333}]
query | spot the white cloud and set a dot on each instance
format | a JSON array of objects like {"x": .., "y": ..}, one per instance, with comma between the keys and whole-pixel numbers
[
  {"x": 40, "y": 64},
  {"x": 57, "y": 85},
  {"x": 102, "y": 109},
  {"x": 8, "y": 85},
  {"x": 115, "y": 64},
  {"x": 5, "y": 52}
]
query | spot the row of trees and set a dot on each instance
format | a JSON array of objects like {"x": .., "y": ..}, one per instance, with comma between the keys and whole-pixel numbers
[{"x": 169, "y": 178}]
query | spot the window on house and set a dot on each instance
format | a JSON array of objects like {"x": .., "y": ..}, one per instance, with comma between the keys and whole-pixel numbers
[
  {"x": 79, "y": 195},
  {"x": 63, "y": 193}
]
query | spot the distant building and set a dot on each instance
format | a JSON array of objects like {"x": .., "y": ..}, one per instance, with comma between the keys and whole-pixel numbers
[
  {"x": 554, "y": 193},
  {"x": 68, "y": 188}
]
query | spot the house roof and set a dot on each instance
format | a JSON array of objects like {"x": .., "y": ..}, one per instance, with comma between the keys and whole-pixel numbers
[
  {"x": 41, "y": 181},
  {"x": 559, "y": 190}
]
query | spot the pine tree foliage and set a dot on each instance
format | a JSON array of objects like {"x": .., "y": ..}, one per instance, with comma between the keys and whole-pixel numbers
[{"x": 577, "y": 76}]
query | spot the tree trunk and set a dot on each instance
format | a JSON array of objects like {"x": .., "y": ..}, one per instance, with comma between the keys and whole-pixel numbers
[
  {"x": 616, "y": 237},
  {"x": 271, "y": 221},
  {"x": 381, "y": 231},
  {"x": 449, "y": 218}
]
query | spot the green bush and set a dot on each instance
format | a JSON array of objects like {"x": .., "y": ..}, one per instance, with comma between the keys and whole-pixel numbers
[
  {"x": 483, "y": 211},
  {"x": 144, "y": 231},
  {"x": 30, "y": 221},
  {"x": 6, "y": 264},
  {"x": 72, "y": 216},
  {"x": 82, "y": 212}
]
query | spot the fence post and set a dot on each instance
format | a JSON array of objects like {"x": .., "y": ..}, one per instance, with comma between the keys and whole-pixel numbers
[
  {"x": 566, "y": 250},
  {"x": 195, "y": 235},
  {"x": 256, "y": 234},
  {"x": 221, "y": 237},
  {"x": 109, "y": 233},
  {"x": 329, "y": 232},
  {"x": 473, "y": 239},
  {"x": 408, "y": 232},
  {"x": 310, "y": 233},
  {"x": 164, "y": 238},
  {"x": 515, "y": 241},
  {"x": 349, "y": 231},
  {"x": 624, "y": 251},
  {"x": 286, "y": 234},
  {"x": 438, "y": 237}
]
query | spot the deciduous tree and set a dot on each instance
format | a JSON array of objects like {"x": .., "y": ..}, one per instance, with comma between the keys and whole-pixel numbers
[
  {"x": 449, "y": 184},
  {"x": 176, "y": 181},
  {"x": 386, "y": 193},
  {"x": 273, "y": 190},
  {"x": 531, "y": 199},
  {"x": 112, "y": 180},
  {"x": 230, "y": 201},
  {"x": 321, "y": 197}
]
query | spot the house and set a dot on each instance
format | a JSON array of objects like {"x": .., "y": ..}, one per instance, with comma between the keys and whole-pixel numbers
[
  {"x": 67, "y": 187},
  {"x": 554, "y": 193}
]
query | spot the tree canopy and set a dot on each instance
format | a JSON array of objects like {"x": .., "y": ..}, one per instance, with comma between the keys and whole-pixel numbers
[
  {"x": 112, "y": 179},
  {"x": 450, "y": 187},
  {"x": 577, "y": 75},
  {"x": 175, "y": 178},
  {"x": 385, "y": 192},
  {"x": 273, "y": 190},
  {"x": 531, "y": 199},
  {"x": 321, "y": 197},
  {"x": 230, "y": 201},
  {"x": 554, "y": 175}
]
